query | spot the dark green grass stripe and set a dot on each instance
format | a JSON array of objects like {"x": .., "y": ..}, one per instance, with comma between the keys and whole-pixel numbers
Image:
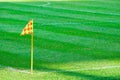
[
  {"x": 8, "y": 59},
  {"x": 18, "y": 61},
  {"x": 12, "y": 21}
]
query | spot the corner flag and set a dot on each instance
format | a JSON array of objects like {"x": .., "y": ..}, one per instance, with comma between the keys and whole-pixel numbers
[{"x": 29, "y": 30}]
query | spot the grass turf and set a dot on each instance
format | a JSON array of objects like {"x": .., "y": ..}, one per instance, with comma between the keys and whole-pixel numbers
[{"x": 74, "y": 40}]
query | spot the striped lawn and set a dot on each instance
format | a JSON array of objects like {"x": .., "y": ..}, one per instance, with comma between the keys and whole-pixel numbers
[{"x": 73, "y": 40}]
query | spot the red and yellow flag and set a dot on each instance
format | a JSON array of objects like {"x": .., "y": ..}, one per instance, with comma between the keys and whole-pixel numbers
[{"x": 28, "y": 28}]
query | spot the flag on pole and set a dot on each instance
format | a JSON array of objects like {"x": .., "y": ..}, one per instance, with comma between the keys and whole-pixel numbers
[{"x": 29, "y": 30}]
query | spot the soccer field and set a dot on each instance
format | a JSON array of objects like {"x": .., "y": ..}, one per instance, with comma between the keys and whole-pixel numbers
[{"x": 73, "y": 40}]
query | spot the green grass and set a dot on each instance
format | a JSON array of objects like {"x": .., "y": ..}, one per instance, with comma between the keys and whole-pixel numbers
[{"x": 73, "y": 40}]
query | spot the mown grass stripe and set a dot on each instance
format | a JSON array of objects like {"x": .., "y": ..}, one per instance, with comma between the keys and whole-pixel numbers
[{"x": 61, "y": 43}]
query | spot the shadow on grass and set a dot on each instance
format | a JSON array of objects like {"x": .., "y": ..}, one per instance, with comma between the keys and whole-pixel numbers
[
  {"x": 78, "y": 74},
  {"x": 18, "y": 61}
]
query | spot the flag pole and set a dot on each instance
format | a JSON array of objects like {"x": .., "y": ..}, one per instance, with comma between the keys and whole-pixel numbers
[{"x": 32, "y": 39}]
